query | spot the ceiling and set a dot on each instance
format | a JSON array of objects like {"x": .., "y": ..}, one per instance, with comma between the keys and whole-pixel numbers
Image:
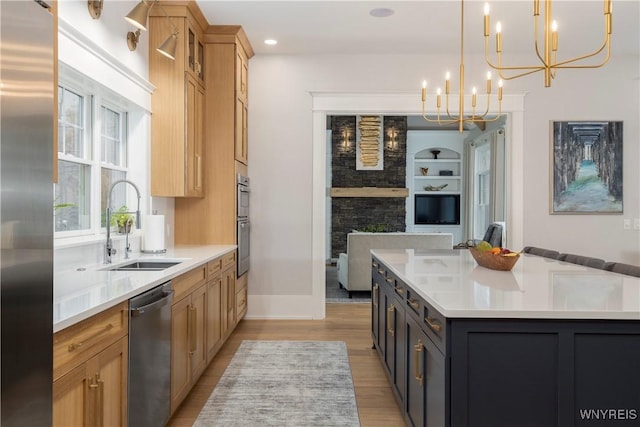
[{"x": 419, "y": 27}]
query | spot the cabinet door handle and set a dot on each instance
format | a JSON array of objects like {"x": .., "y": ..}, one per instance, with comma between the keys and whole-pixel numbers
[
  {"x": 417, "y": 349},
  {"x": 390, "y": 314},
  {"x": 432, "y": 323},
  {"x": 198, "y": 171},
  {"x": 381, "y": 271},
  {"x": 376, "y": 289},
  {"x": 191, "y": 327},
  {"x": 74, "y": 346},
  {"x": 389, "y": 279},
  {"x": 399, "y": 290},
  {"x": 414, "y": 304},
  {"x": 374, "y": 264},
  {"x": 97, "y": 385},
  {"x": 100, "y": 401}
]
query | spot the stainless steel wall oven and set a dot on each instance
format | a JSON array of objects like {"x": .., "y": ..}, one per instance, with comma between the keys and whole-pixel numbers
[{"x": 243, "y": 226}]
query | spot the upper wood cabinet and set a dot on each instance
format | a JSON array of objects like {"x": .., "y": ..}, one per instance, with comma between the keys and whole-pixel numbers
[
  {"x": 178, "y": 102},
  {"x": 233, "y": 52},
  {"x": 226, "y": 51}
]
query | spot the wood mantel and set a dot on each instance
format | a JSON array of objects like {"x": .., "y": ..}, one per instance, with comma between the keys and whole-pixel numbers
[{"x": 368, "y": 192}]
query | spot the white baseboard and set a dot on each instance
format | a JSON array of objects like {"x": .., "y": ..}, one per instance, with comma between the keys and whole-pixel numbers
[{"x": 286, "y": 307}]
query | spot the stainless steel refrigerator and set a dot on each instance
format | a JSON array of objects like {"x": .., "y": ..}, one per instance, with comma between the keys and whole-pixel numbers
[{"x": 26, "y": 213}]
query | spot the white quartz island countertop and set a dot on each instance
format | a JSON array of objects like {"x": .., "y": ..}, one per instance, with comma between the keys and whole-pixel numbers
[
  {"x": 86, "y": 290},
  {"x": 536, "y": 288}
]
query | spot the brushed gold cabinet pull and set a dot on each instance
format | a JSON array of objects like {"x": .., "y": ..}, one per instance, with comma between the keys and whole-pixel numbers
[
  {"x": 432, "y": 323},
  {"x": 417, "y": 349},
  {"x": 390, "y": 312},
  {"x": 399, "y": 290},
  {"x": 376, "y": 289},
  {"x": 374, "y": 264},
  {"x": 389, "y": 279},
  {"x": 413, "y": 303},
  {"x": 198, "y": 171},
  {"x": 191, "y": 326},
  {"x": 380, "y": 271},
  {"x": 100, "y": 412},
  {"x": 74, "y": 346}
]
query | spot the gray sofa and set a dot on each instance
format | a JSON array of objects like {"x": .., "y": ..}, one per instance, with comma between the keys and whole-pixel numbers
[{"x": 354, "y": 267}]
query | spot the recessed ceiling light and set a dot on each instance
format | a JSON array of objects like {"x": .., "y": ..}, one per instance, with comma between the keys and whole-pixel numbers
[
  {"x": 381, "y": 12},
  {"x": 271, "y": 42}
]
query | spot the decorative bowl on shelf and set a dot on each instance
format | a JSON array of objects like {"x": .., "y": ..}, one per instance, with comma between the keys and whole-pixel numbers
[
  {"x": 494, "y": 261},
  {"x": 424, "y": 171},
  {"x": 434, "y": 187}
]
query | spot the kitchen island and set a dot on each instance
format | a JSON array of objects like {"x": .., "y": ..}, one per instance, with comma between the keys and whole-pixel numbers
[{"x": 546, "y": 344}]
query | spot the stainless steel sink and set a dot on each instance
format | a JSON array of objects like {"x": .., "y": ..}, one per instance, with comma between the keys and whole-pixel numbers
[{"x": 146, "y": 265}]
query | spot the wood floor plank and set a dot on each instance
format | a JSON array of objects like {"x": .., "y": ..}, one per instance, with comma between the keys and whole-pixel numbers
[{"x": 350, "y": 323}]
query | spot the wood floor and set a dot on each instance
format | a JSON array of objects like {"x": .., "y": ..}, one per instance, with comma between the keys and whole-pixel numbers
[{"x": 350, "y": 323}]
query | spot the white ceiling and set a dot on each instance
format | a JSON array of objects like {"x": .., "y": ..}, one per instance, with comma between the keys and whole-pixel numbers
[{"x": 419, "y": 27}]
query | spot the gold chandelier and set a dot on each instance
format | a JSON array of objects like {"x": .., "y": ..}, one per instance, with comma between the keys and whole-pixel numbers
[
  {"x": 548, "y": 57},
  {"x": 460, "y": 118}
]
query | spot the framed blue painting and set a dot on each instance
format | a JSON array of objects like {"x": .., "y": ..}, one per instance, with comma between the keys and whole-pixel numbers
[{"x": 586, "y": 167}]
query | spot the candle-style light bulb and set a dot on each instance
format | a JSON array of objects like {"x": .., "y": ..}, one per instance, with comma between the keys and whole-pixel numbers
[
  {"x": 500, "y": 90},
  {"x": 438, "y": 98},
  {"x": 424, "y": 90},
  {"x": 447, "y": 83},
  {"x": 498, "y": 27},
  {"x": 498, "y": 37},
  {"x": 474, "y": 92},
  {"x": 486, "y": 20},
  {"x": 554, "y": 35},
  {"x": 488, "y": 81}
]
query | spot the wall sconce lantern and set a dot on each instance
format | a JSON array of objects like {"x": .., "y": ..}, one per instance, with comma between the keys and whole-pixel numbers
[
  {"x": 346, "y": 140},
  {"x": 95, "y": 8},
  {"x": 393, "y": 139},
  {"x": 138, "y": 17}
]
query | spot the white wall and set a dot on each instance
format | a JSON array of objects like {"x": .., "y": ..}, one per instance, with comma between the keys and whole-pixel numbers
[{"x": 281, "y": 157}]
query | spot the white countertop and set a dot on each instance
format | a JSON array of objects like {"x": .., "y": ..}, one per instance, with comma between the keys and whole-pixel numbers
[
  {"x": 536, "y": 288},
  {"x": 87, "y": 290}
]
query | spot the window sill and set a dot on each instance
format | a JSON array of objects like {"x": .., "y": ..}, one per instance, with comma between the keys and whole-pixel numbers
[{"x": 75, "y": 241}]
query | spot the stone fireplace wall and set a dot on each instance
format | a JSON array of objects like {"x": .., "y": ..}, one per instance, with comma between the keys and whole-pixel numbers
[{"x": 362, "y": 213}]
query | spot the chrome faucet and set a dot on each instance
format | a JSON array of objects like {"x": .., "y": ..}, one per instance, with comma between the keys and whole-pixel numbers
[{"x": 109, "y": 249}]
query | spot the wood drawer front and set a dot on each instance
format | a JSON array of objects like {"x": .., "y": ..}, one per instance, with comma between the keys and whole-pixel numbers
[
  {"x": 79, "y": 342},
  {"x": 241, "y": 302},
  {"x": 184, "y": 284},
  {"x": 214, "y": 267},
  {"x": 228, "y": 260}
]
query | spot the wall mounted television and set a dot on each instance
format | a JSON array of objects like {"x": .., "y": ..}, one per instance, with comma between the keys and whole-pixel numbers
[{"x": 438, "y": 209}]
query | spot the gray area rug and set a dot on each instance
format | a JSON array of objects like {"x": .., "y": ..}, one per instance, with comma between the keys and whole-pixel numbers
[{"x": 284, "y": 383}]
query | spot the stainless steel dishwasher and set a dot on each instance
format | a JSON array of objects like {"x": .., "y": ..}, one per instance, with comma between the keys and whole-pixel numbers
[{"x": 150, "y": 357}]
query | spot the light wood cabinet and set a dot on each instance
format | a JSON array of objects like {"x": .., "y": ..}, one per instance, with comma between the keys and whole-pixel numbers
[
  {"x": 212, "y": 219},
  {"x": 188, "y": 333},
  {"x": 178, "y": 103},
  {"x": 228, "y": 301},
  {"x": 242, "y": 110},
  {"x": 241, "y": 297},
  {"x": 91, "y": 371},
  {"x": 242, "y": 136},
  {"x": 214, "y": 317}
]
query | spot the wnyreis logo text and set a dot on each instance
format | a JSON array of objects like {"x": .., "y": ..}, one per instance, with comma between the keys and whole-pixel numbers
[{"x": 608, "y": 414}]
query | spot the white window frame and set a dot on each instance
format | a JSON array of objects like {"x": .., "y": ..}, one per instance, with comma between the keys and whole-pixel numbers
[{"x": 95, "y": 97}]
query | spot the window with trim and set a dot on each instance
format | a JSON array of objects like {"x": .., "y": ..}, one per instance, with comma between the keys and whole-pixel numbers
[{"x": 92, "y": 155}]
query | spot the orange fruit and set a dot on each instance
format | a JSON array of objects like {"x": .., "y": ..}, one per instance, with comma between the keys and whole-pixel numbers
[{"x": 495, "y": 250}]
